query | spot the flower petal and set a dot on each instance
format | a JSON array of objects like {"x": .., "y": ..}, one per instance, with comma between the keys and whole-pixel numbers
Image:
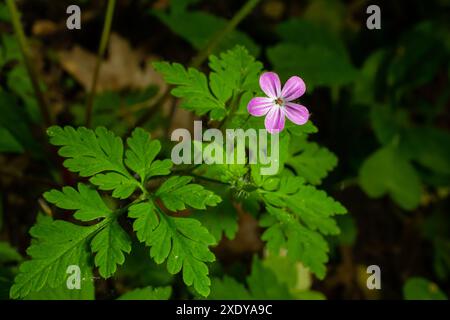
[
  {"x": 293, "y": 89},
  {"x": 259, "y": 106},
  {"x": 297, "y": 113},
  {"x": 270, "y": 84},
  {"x": 274, "y": 121}
]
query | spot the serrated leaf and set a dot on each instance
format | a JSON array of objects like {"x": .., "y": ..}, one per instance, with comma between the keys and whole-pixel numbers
[
  {"x": 148, "y": 293},
  {"x": 302, "y": 244},
  {"x": 110, "y": 244},
  {"x": 220, "y": 220},
  {"x": 92, "y": 152},
  {"x": 86, "y": 201},
  {"x": 192, "y": 86},
  {"x": 183, "y": 242},
  {"x": 176, "y": 193},
  {"x": 312, "y": 162},
  {"x": 57, "y": 245},
  {"x": 121, "y": 186},
  {"x": 141, "y": 154},
  {"x": 312, "y": 206}
]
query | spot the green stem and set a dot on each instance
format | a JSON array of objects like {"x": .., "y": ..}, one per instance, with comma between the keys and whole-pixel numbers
[
  {"x": 101, "y": 52},
  {"x": 18, "y": 29},
  {"x": 215, "y": 41}
]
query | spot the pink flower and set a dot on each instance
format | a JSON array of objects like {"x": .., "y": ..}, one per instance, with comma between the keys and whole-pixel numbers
[{"x": 278, "y": 102}]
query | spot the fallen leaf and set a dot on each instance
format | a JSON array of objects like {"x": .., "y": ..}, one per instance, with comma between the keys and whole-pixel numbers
[{"x": 124, "y": 68}]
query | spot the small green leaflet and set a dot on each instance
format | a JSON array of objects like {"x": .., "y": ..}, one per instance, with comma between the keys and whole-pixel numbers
[
  {"x": 183, "y": 242},
  {"x": 58, "y": 244},
  {"x": 142, "y": 153},
  {"x": 192, "y": 86},
  {"x": 311, "y": 161},
  {"x": 176, "y": 193},
  {"x": 110, "y": 244},
  {"x": 86, "y": 201},
  {"x": 89, "y": 152}
]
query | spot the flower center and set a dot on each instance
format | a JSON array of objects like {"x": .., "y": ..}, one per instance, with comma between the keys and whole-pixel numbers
[{"x": 279, "y": 101}]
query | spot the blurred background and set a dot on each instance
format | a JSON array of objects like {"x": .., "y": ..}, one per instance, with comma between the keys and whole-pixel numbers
[{"x": 380, "y": 99}]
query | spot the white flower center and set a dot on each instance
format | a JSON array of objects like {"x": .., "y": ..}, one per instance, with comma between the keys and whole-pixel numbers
[{"x": 279, "y": 101}]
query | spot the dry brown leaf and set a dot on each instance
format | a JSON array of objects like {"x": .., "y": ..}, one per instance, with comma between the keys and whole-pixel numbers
[{"x": 122, "y": 69}]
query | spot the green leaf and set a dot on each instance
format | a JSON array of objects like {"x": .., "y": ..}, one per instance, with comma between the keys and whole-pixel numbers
[
  {"x": 110, "y": 244},
  {"x": 183, "y": 242},
  {"x": 302, "y": 244},
  {"x": 142, "y": 153},
  {"x": 312, "y": 206},
  {"x": 388, "y": 172},
  {"x": 220, "y": 220},
  {"x": 86, "y": 201},
  {"x": 262, "y": 285},
  {"x": 92, "y": 152},
  {"x": 234, "y": 69},
  {"x": 123, "y": 187},
  {"x": 62, "y": 292},
  {"x": 57, "y": 245},
  {"x": 312, "y": 162},
  {"x": 228, "y": 288},
  {"x": 318, "y": 66},
  {"x": 89, "y": 152},
  {"x": 234, "y": 73},
  {"x": 176, "y": 193},
  {"x": 192, "y": 86},
  {"x": 421, "y": 289},
  {"x": 8, "y": 253},
  {"x": 8, "y": 143},
  {"x": 198, "y": 27},
  {"x": 4, "y": 13},
  {"x": 148, "y": 293}
]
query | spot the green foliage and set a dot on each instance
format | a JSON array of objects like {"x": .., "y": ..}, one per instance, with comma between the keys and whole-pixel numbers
[
  {"x": 234, "y": 73},
  {"x": 421, "y": 289},
  {"x": 57, "y": 243},
  {"x": 387, "y": 172},
  {"x": 148, "y": 293},
  {"x": 220, "y": 220},
  {"x": 311, "y": 161},
  {"x": 183, "y": 242},
  {"x": 176, "y": 193},
  {"x": 320, "y": 58},
  {"x": 262, "y": 285},
  {"x": 99, "y": 154},
  {"x": 198, "y": 28}
]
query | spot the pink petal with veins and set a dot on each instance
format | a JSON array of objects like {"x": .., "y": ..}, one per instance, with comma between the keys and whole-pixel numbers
[
  {"x": 270, "y": 84},
  {"x": 274, "y": 121},
  {"x": 297, "y": 113},
  {"x": 293, "y": 89},
  {"x": 260, "y": 106}
]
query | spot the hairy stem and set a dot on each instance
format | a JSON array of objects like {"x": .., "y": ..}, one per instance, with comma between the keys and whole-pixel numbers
[
  {"x": 246, "y": 9},
  {"x": 18, "y": 29},
  {"x": 101, "y": 53}
]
